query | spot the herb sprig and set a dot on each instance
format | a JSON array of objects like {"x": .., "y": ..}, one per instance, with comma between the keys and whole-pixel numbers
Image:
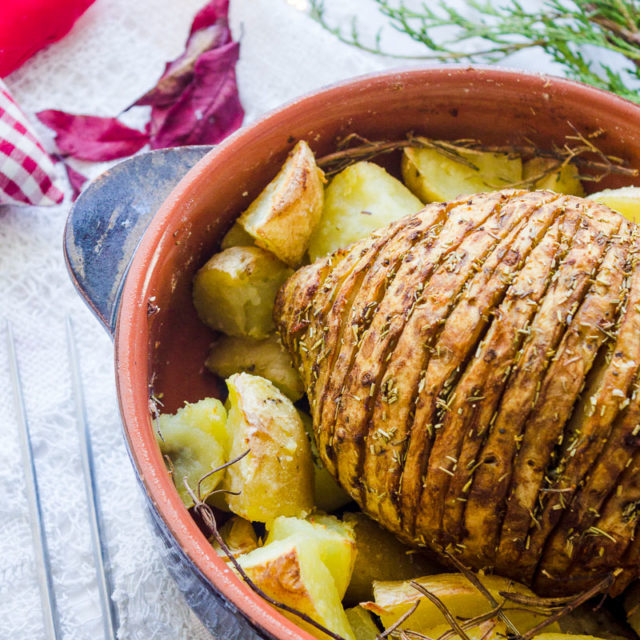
[{"x": 565, "y": 29}]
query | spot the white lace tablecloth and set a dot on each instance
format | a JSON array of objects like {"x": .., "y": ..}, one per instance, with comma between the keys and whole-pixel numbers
[{"x": 114, "y": 53}]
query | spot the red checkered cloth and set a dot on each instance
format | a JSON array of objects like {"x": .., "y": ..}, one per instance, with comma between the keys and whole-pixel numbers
[{"x": 26, "y": 170}]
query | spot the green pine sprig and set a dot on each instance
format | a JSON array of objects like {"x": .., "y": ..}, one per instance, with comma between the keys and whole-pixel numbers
[{"x": 564, "y": 29}]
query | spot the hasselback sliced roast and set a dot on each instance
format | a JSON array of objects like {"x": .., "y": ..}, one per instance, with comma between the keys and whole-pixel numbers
[{"x": 473, "y": 372}]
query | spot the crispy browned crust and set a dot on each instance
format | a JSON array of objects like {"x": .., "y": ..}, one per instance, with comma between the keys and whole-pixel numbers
[
  {"x": 292, "y": 309},
  {"x": 363, "y": 384},
  {"x": 458, "y": 337},
  {"x": 631, "y": 559},
  {"x": 559, "y": 388},
  {"x": 592, "y": 434},
  {"x": 381, "y": 466},
  {"x": 444, "y": 360},
  {"x": 579, "y": 545},
  {"x": 312, "y": 347},
  {"x": 332, "y": 356},
  {"x": 491, "y": 481},
  {"x": 619, "y": 520},
  {"x": 599, "y": 309},
  {"x": 399, "y": 384},
  {"x": 475, "y": 399},
  {"x": 499, "y": 353},
  {"x": 606, "y": 491},
  {"x": 612, "y": 543},
  {"x": 391, "y": 260}
]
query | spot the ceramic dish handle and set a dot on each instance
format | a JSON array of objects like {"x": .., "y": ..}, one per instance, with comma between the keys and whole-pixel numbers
[{"x": 109, "y": 218}]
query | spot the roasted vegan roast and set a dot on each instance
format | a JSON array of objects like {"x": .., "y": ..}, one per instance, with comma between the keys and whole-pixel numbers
[{"x": 473, "y": 373}]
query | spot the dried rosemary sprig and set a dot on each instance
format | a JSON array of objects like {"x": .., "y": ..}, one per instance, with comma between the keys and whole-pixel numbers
[
  {"x": 569, "y": 31},
  {"x": 450, "y": 618},
  {"x": 552, "y": 609},
  {"x": 475, "y": 581},
  {"x": 578, "y": 148},
  {"x": 396, "y": 625},
  {"x": 202, "y": 498}
]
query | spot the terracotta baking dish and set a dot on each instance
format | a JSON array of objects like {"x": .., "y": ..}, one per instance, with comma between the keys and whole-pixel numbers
[{"x": 145, "y": 300}]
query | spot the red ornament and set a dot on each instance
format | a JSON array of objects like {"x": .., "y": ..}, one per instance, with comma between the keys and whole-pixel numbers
[{"x": 26, "y": 26}]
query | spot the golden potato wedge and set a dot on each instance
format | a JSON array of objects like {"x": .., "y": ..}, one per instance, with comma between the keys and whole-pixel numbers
[
  {"x": 265, "y": 358},
  {"x": 336, "y": 543},
  {"x": 195, "y": 440},
  {"x": 456, "y": 592},
  {"x": 381, "y": 556},
  {"x": 328, "y": 494},
  {"x": 625, "y": 200},
  {"x": 239, "y": 536},
  {"x": 359, "y": 200},
  {"x": 292, "y": 572},
  {"x": 362, "y": 624},
  {"x": 282, "y": 218},
  {"x": 555, "y": 399},
  {"x": 276, "y": 477},
  {"x": 236, "y": 237},
  {"x": 435, "y": 177},
  {"x": 235, "y": 290},
  {"x": 564, "y": 179}
]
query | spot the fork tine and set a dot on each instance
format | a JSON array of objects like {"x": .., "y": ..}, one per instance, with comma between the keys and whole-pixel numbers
[
  {"x": 100, "y": 550},
  {"x": 50, "y": 613}
]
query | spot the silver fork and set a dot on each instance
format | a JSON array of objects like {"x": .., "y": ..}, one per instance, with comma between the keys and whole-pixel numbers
[
  {"x": 50, "y": 614},
  {"x": 51, "y": 617}
]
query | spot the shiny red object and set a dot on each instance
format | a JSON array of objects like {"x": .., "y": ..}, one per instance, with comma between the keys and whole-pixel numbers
[{"x": 26, "y": 26}]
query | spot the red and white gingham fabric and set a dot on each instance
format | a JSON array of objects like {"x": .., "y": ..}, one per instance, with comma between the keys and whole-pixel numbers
[{"x": 26, "y": 170}]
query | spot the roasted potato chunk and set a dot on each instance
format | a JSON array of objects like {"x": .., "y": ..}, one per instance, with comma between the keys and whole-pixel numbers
[
  {"x": 625, "y": 201},
  {"x": 235, "y": 290},
  {"x": 564, "y": 179},
  {"x": 276, "y": 477},
  {"x": 336, "y": 543},
  {"x": 265, "y": 358},
  {"x": 359, "y": 200},
  {"x": 291, "y": 571},
  {"x": 328, "y": 494},
  {"x": 282, "y": 218},
  {"x": 195, "y": 440},
  {"x": 457, "y": 593},
  {"x": 239, "y": 536},
  {"x": 381, "y": 556},
  {"x": 362, "y": 624},
  {"x": 236, "y": 237},
  {"x": 435, "y": 177}
]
